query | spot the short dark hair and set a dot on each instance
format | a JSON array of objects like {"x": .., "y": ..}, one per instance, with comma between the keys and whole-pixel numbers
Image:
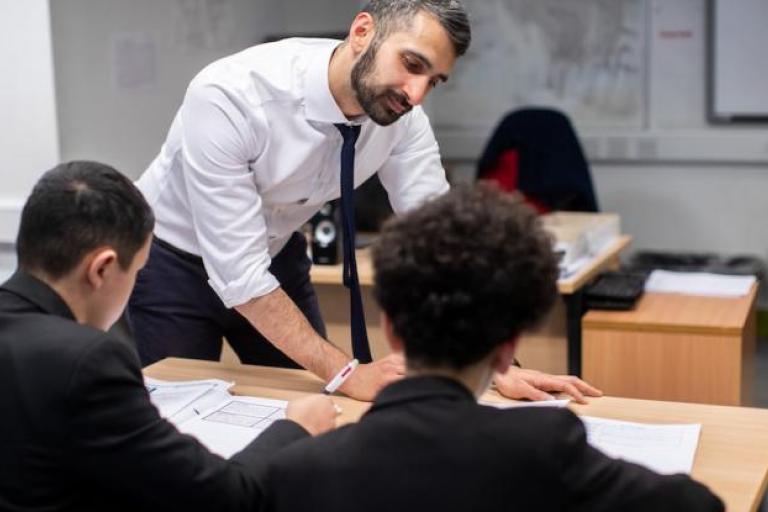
[
  {"x": 462, "y": 274},
  {"x": 393, "y": 15},
  {"x": 76, "y": 207}
]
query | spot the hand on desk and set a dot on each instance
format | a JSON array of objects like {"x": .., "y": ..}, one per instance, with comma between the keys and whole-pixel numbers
[
  {"x": 518, "y": 383},
  {"x": 368, "y": 379},
  {"x": 317, "y": 413}
]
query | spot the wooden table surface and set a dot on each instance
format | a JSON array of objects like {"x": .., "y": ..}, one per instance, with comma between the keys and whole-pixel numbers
[
  {"x": 732, "y": 457},
  {"x": 331, "y": 274},
  {"x": 674, "y": 312}
]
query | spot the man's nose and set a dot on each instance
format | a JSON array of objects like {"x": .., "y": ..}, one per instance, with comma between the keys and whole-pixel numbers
[{"x": 416, "y": 89}]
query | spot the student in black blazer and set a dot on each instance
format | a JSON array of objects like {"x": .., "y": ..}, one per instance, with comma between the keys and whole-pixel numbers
[
  {"x": 78, "y": 431},
  {"x": 458, "y": 280}
]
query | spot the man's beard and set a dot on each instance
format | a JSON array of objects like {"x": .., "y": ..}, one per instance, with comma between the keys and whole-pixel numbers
[{"x": 375, "y": 100}]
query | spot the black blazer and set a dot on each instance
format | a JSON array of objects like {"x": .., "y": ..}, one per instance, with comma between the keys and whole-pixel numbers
[
  {"x": 78, "y": 431},
  {"x": 427, "y": 445}
]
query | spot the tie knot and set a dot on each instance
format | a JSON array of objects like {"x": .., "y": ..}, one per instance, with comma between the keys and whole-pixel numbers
[{"x": 349, "y": 132}]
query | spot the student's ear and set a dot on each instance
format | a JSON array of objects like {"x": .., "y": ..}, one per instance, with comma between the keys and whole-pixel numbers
[
  {"x": 394, "y": 341},
  {"x": 505, "y": 355},
  {"x": 101, "y": 264},
  {"x": 361, "y": 32}
]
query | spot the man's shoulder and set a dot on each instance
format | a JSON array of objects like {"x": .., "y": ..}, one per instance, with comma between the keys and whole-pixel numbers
[{"x": 267, "y": 71}]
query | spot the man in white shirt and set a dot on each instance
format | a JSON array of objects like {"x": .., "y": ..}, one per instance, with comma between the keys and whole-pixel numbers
[{"x": 253, "y": 153}]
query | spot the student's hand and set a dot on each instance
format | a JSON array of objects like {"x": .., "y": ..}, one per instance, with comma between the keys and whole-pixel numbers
[
  {"x": 518, "y": 383},
  {"x": 316, "y": 413},
  {"x": 368, "y": 379}
]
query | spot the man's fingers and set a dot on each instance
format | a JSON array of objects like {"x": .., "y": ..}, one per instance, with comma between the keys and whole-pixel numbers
[
  {"x": 526, "y": 391},
  {"x": 584, "y": 387}
]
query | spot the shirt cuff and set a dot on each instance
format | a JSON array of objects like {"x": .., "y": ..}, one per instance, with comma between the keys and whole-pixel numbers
[{"x": 237, "y": 293}]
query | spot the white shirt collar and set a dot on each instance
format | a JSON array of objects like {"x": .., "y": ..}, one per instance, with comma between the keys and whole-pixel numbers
[{"x": 319, "y": 104}]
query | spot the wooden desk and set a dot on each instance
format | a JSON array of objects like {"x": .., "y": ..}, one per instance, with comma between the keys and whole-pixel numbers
[
  {"x": 674, "y": 347},
  {"x": 732, "y": 457},
  {"x": 554, "y": 348}
]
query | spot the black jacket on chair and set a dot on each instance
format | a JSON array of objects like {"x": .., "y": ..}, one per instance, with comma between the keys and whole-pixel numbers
[
  {"x": 426, "y": 444},
  {"x": 78, "y": 431},
  {"x": 552, "y": 169}
]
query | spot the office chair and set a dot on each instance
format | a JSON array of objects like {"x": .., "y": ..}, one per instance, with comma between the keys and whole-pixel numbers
[{"x": 536, "y": 151}]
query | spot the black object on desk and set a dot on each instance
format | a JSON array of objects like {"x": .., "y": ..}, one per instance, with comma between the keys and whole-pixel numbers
[{"x": 616, "y": 290}]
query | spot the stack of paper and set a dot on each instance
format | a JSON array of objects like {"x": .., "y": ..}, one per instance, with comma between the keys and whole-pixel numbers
[
  {"x": 205, "y": 409},
  {"x": 666, "y": 449},
  {"x": 699, "y": 283}
]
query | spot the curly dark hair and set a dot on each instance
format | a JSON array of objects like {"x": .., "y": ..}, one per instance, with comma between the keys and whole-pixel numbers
[{"x": 462, "y": 274}]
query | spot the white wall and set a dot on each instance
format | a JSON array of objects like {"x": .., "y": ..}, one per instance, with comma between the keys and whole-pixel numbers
[
  {"x": 28, "y": 136},
  {"x": 122, "y": 66},
  {"x": 679, "y": 184},
  {"x": 704, "y": 198}
]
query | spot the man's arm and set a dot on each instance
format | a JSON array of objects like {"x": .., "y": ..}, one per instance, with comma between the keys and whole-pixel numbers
[{"x": 279, "y": 320}]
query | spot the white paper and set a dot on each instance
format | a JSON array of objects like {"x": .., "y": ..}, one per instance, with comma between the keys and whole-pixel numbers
[
  {"x": 538, "y": 403},
  {"x": 228, "y": 427},
  {"x": 699, "y": 283},
  {"x": 172, "y": 398},
  {"x": 666, "y": 449}
]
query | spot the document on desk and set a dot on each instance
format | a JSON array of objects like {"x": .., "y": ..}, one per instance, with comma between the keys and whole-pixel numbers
[
  {"x": 229, "y": 426},
  {"x": 512, "y": 404},
  {"x": 205, "y": 409},
  {"x": 699, "y": 283},
  {"x": 666, "y": 449},
  {"x": 173, "y": 397}
]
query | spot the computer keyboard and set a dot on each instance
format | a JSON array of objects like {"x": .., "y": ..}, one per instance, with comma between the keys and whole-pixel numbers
[{"x": 615, "y": 290}]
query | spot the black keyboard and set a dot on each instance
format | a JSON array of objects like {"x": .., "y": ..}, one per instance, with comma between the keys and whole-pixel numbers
[{"x": 615, "y": 290}]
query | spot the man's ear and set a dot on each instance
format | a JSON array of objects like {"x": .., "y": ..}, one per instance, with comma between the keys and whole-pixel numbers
[
  {"x": 101, "y": 263},
  {"x": 361, "y": 32},
  {"x": 505, "y": 355},
  {"x": 394, "y": 341}
]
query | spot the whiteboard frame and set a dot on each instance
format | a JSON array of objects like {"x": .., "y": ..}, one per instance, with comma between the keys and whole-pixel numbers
[{"x": 713, "y": 116}]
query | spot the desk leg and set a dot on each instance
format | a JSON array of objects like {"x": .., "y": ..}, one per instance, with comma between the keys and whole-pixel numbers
[{"x": 574, "y": 310}]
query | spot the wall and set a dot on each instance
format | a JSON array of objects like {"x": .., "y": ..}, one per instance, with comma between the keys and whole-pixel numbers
[
  {"x": 702, "y": 189},
  {"x": 679, "y": 183},
  {"x": 122, "y": 67},
  {"x": 28, "y": 137}
]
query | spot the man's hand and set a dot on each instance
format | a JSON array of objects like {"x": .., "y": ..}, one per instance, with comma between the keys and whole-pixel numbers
[
  {"x": 317, "y": 413},
  {"x": 518, "y": 383},
  {"x": 368, "y": 379}
]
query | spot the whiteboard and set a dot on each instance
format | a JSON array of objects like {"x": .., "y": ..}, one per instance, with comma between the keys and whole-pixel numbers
[
  {"x": 585, "y": 57},
  {"x": 739, "y": 60}
]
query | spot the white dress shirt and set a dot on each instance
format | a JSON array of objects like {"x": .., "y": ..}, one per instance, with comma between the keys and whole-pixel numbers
[{"x": 253, "y": 153}]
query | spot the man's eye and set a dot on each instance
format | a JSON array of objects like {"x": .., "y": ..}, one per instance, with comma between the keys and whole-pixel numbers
[{"x": 411, "y": 65}]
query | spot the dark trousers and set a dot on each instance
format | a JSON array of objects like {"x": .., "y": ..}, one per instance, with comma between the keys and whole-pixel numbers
[{"x": 175, "y": 313}]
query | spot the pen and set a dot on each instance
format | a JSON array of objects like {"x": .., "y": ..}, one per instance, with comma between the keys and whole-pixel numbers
[{"x": 340, "y": 377}]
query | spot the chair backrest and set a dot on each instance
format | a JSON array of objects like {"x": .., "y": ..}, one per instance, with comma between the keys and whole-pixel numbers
[{"x": 551, "y": 169}]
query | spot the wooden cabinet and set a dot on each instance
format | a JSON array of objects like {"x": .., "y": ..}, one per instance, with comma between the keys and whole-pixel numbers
[{"x": 674, "y": 347}]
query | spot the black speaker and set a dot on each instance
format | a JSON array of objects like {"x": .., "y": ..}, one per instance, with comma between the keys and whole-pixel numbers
[{"x": 326, "y": 235}]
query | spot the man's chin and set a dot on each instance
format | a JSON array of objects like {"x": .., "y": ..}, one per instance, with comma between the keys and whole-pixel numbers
[{"x": 384, "y": 117}]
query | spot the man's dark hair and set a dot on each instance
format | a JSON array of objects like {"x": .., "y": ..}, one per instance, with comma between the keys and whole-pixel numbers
[
  {"x": 394, "y": 15},
  {"x": 462, "y": 274},
  {"x": 75, "y": 208}
]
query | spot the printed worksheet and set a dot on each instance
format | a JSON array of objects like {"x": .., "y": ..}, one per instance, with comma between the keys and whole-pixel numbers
[
  {"x": 172, "y": 398},
  {"x": 230, "y": 425},
  {"x": 666, "y": 449}
]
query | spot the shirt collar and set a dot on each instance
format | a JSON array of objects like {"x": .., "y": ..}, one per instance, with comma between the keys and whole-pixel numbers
[
  {"x": 319, "y": 104},
  {"x": 38, "y": 293},
  {"x": 422, "y": 388}
]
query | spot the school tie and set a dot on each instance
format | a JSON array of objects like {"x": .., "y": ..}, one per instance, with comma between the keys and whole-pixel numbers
[{"x": 360, "y": 348}]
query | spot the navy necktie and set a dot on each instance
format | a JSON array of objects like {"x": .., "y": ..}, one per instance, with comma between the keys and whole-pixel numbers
[{"x": 360, "y": 348}]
